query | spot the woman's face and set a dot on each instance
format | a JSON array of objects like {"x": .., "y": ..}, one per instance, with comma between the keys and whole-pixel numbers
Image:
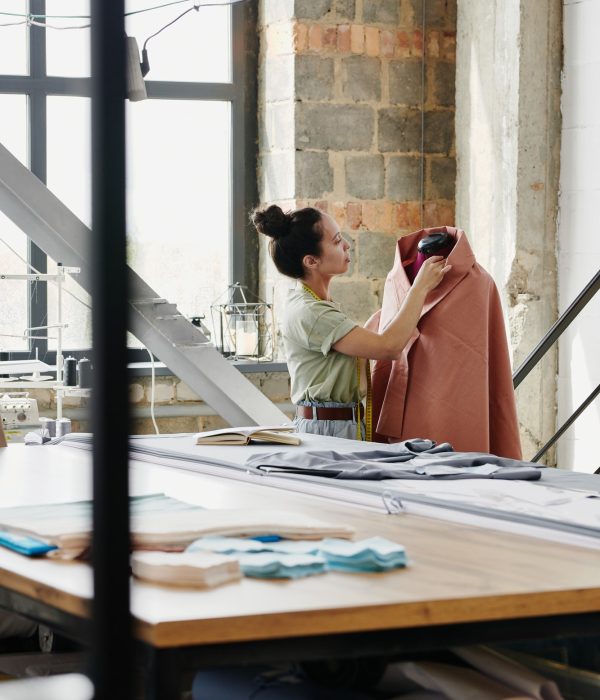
[{"x": 334, "y": 258}]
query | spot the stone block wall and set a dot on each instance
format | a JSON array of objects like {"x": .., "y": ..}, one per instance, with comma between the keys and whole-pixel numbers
[
  {"x": 356, "y": 117},
  {"x": 177, "y": 408}
]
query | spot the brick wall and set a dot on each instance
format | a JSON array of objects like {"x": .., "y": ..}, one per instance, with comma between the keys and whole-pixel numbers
[
  {"x": 178, "y": 409},
  {"x": 357, "y": 118}
]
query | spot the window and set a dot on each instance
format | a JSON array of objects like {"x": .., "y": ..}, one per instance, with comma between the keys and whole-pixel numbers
[{"x": 189, "y": 147}]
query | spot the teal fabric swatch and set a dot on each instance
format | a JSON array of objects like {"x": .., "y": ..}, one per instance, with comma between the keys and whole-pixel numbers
[
  {"x": 276, "y": 565},
  {"x": 369, "y": 555}
]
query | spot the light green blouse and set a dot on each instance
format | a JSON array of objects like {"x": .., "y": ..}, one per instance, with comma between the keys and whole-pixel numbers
[{"x": 309, "y": 329}]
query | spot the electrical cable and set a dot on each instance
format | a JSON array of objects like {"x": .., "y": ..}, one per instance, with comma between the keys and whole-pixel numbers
[
  {"x": 31, "y": 17},
  {"x": 194, "y": 7},
  {"x": 156, "y": 7},
  {"x": 45, "y": 25},
  {"x": 145, "y": 65},
  {"x": 152, "y": 386}
]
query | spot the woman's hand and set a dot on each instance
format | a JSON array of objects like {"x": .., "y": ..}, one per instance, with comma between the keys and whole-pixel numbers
[{"x": 431, "y": 274}]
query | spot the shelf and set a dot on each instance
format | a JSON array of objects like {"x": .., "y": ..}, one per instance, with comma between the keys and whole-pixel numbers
[
  {"x": 8, "y": 387},
  {"x": 13, "y": 386},
  {"x": 74, "y": 391}
]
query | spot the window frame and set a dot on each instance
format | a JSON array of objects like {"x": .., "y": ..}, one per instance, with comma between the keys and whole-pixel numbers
[{"x": 241, "y": 93}]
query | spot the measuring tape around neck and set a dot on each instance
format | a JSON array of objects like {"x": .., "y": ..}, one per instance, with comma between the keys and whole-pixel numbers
[{"x": 369, "y": 402}]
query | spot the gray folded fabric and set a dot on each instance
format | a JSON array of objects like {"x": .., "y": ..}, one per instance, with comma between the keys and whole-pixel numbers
[{"x": 411, "y": 459}]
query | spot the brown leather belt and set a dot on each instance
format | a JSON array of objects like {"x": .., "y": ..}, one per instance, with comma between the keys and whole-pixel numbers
[{"x": 325, "y": 413}]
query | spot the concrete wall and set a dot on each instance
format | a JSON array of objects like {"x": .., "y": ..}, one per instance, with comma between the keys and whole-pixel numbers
[
  {"x": 578, "y": 233},
  {"x": 508, "y": 147},
  {"x": 356, "y": 116}
]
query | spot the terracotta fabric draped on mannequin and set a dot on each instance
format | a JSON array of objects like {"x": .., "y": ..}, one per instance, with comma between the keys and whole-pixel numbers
[{"x": 452, "y": 382}]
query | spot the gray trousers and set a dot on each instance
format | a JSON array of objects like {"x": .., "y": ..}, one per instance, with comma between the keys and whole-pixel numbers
[{"x": 331, "y": 428}]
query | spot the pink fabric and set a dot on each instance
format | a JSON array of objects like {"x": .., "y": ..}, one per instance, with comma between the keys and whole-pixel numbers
[{"x": 453, "y": 380}]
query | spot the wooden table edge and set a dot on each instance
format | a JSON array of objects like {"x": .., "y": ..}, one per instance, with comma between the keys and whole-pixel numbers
[{"x": 367, "y": 618}]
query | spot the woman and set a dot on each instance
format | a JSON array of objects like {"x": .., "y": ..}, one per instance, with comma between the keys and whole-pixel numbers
[{"x": 326, "y": 351}]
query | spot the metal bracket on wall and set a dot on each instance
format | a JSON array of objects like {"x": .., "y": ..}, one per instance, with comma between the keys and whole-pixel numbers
[{"x": 153, "y": 320}]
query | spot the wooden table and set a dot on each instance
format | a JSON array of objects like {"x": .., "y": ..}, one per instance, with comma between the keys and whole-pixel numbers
[{"x": 463, "y": 585}]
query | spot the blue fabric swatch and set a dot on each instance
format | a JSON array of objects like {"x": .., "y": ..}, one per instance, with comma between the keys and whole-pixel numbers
[
  {"x": 23, "y": 544},
  {"x": 369, "y": 555}
]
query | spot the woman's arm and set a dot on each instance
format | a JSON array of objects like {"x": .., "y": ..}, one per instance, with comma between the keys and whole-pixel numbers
[{"x": 388, "y": 345}]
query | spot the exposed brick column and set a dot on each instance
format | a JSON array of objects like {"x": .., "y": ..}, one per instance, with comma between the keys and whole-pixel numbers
[{"x": 369, "y": 123}]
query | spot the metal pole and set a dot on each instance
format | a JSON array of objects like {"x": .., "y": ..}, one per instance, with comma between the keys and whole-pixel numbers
[
  {"x": 37, "y": 291},
  {"x": 112, "y": 649},
  {"x": 59, "y": 331},
  {"x": 557, "y": 329},
  {"x": 566, "y": 424}
]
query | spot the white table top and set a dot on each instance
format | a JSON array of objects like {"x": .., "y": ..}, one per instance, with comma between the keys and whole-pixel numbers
[{"x": 457, "y": 573}]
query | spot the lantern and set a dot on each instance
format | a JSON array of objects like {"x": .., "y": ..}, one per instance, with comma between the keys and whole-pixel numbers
[{"x": 243, "y": 329}]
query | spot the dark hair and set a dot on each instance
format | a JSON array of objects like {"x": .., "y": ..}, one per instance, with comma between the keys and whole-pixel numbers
[{"x": 293, "y": 235}]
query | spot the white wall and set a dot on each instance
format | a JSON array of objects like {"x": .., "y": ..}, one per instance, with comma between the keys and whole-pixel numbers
[{"x": 579, "y": 232}]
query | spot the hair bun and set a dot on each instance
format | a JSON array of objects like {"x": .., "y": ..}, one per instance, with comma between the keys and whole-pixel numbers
[{"x": 273, "y": 221}]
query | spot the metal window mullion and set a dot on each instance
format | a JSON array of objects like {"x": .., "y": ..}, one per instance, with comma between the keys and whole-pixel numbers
[
  {"x": 164, "y": 90},
  {"x": 37, "y": 42},
  {"x": 51, "y": 85},
  {"x": 81, "y": 87},
  {"x": 244, "y": 257},
  {"x": 37, "y": 292}
]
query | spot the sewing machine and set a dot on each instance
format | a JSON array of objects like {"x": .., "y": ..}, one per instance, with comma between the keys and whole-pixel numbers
[{"x": 19, "y": 415}]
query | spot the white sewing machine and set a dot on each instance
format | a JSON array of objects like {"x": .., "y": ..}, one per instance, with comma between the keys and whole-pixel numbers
[{"x": 19, "y": 415}]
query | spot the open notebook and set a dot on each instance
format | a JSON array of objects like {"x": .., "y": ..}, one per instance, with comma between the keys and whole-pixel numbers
[{"x": 283, "y": 434}]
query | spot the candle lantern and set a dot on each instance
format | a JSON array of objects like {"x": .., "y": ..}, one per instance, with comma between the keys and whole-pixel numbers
[{"x": 243, "y": 329}]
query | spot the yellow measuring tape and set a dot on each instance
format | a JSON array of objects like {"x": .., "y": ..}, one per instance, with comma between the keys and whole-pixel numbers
[{"x": 369, "y": 404}]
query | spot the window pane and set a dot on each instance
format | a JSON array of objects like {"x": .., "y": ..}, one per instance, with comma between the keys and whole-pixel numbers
[
  {"x": 75, "y": 312},
  {"x": 13, "y": 319},
  {"x": 13, "y": 126},
  {"x": 13, "y": 242},
  {"x": 196, "y": 48},
  {"x": 179, "y": 199},
  {"x": 13, "y": 46},
  {"x": 69, "y": 177},
  {"x": 69, "y": 153},
  {"x": 67, "y": 50}
]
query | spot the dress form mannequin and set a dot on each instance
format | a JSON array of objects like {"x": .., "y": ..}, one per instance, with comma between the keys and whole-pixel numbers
[{"x": 434, "y": 244}]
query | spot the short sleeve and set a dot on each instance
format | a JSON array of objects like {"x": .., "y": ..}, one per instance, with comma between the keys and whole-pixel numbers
[{"x": 320, "y": 326}]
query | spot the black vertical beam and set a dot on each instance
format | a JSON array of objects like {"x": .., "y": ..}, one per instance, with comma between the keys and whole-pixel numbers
[
  {"x": 243, "y": 261},
  {"x": 37, "y": 303},
  {"x": 112, "y": 649}
]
